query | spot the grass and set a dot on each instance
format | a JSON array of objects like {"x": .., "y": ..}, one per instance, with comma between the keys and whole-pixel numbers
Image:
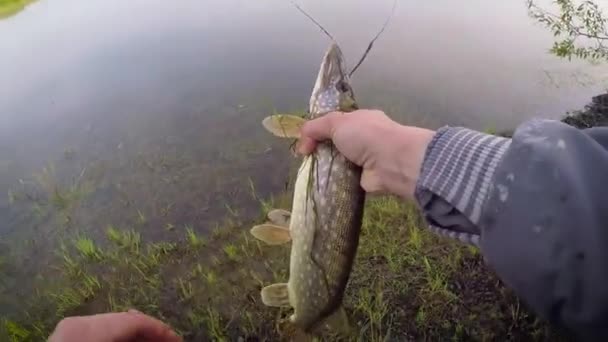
[
  {"x": 210, "y": 277},
  {"x": 214, "y": 326},
  {"x": 87, "y": 248},
  {"x": 194, "y": 240},
  {"x": 406, "y": 284},
  {"x": 124, "y": 239},
  {"x": 62, "y": 197},
  {"x": 13, "y": 331},
  {"x": 141, "y": 218},
  {"x": 186, "y": 290},
  {"x": 12, "y": 197},
  {"x": 231, "y": 252}
]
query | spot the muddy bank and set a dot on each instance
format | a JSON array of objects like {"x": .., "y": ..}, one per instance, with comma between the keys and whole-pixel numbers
[{"x": 594, "y": 114}]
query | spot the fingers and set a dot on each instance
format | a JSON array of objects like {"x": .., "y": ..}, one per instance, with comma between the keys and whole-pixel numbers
[
  {"x": 124, "y": 326},
  {"x": 321, "y": 128},
  {"x": 306, "y": 145},
  {"x": 132, "y": 324},
  {"x": 317, "y": 130},
  {"x": 370, "y": 182}
]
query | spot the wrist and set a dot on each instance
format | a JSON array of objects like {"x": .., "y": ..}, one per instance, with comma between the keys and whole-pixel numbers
[
  {"x": 458, "y": 167},
  {"x": 411, "y": 146}
]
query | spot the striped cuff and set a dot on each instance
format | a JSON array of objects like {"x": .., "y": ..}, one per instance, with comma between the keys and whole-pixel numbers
[{"x": 458, "y": 167}]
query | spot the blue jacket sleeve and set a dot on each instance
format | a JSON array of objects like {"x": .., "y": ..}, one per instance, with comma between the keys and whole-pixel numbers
[{"x": 536, "y": 205}]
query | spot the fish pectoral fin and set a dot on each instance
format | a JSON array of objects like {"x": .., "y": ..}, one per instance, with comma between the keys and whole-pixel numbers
[
  {"x": 280, "y": 217},
  {"x": 284, "y": 125},
  {"x": 276, "y": 295},
  {"x": 271, "y": 234}
]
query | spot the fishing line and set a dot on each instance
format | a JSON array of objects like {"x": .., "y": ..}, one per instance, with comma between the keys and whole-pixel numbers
[
  {"x": 369, "y": 47},
  {"x": 371, "y": 43},
  {"x": 313, "y": 20}
]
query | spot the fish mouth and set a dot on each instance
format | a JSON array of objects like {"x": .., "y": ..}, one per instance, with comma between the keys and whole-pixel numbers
[
  {"x": 332, "y": 72},
  {"x": 333, "y": 67}
]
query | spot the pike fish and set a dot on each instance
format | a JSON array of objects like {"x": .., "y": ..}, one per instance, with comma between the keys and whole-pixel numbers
[{"x": 325, "y": 221}]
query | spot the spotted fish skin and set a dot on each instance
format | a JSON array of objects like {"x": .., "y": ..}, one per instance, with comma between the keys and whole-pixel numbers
[{"x": 327, "y": 209}]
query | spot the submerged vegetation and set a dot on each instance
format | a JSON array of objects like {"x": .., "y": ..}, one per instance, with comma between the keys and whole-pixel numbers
[{"x": 406, "y": 283}]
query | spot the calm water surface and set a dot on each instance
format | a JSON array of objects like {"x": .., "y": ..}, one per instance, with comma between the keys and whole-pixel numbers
[{"x": 146, "y": 113}]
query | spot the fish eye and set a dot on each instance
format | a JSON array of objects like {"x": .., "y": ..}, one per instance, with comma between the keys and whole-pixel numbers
[{"x": 343, "y": 86}]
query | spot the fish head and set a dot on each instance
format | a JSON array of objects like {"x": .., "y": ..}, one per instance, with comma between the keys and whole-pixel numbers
[{"x": 332, "y": 90}]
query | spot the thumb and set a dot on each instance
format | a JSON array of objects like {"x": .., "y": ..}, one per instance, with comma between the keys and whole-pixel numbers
[
  {"x": 370, "y": 182},
  {"x": 315, "y": 130},
  {"x": 321, "y": 128}
]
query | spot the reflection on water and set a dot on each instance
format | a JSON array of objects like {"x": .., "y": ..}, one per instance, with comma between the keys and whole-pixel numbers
[{"x": 147, "y": 114}]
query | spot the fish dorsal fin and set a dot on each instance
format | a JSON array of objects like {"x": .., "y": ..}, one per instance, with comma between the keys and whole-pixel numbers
[
  {"x": 271, "y": 234},
  {"x": 276, "y": 295},
  {"x": 280, "y": 217},
  {"x": 284, "y": 125}
]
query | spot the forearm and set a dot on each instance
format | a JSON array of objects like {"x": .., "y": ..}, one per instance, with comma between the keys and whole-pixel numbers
[{"x": 534, "y": 205}]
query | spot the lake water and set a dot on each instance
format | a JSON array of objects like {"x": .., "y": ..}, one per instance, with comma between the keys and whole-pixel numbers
[{"x": 147, "y": 113}]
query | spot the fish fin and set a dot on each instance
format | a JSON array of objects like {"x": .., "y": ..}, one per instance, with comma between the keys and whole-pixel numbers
[
  {"x": 339, "y": 323},
  {"x": 271, "y": 234},
  {"x": 280, "y": 217},
  {"x": 284, "y": 125},
  {"x": 276, "y": 295}
]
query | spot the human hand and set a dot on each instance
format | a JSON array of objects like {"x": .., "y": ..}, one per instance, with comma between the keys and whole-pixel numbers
[
  {"x": 390, "y": 154},
  {"x": 132, "y": 326}
]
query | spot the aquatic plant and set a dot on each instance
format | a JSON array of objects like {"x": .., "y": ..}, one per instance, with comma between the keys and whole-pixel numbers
[
  {"x": 193, "y": 238},
  {"x": 87, "y": 248}
]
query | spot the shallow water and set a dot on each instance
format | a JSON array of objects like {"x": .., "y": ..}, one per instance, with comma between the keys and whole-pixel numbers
[{"x": 146, "y": 114}]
